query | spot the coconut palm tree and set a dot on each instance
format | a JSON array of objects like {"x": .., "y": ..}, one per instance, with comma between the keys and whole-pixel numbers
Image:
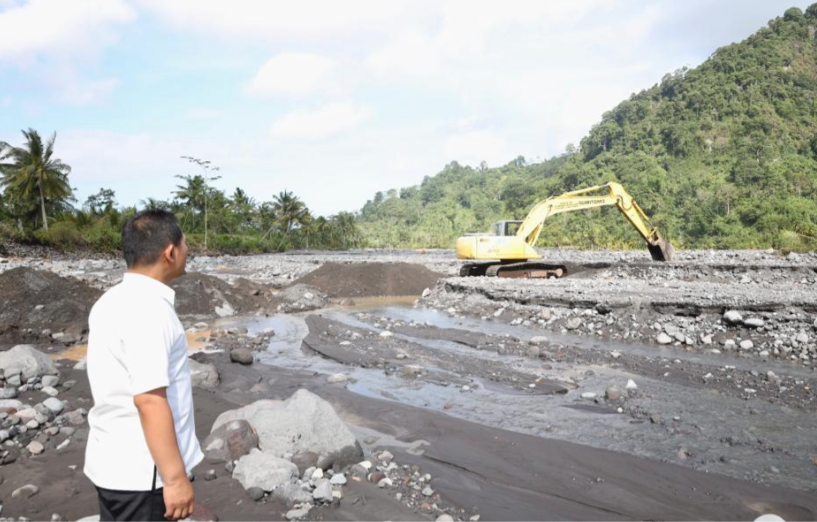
[
  {"x": 289, "y": 209},
  {"x": 31, "y": 172}
]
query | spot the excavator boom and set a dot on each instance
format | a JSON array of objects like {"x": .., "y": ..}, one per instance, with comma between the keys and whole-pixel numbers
[{"x": 511, "y": 250}]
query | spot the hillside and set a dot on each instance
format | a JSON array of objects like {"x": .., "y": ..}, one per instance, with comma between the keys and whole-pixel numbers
[{"x": 723, "y": 155}]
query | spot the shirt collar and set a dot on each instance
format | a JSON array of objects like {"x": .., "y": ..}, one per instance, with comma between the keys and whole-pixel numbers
[{"x": 151, "y": 285}]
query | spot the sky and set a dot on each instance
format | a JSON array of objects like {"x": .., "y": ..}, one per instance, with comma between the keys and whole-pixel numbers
[{"x": 334, "y": 99}]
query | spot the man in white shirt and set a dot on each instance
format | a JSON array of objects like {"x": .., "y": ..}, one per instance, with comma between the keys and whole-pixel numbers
[{"x": 142, "y": 442}]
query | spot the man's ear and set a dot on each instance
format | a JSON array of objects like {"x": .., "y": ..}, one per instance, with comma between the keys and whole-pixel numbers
[{"x": 169, "y": 254}]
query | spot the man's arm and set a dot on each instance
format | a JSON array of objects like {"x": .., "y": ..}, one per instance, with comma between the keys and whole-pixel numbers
[{"x": 160, "y": 434}]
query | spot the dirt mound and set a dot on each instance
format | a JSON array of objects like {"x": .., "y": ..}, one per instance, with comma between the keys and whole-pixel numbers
[
  {"x": 204, "y": 296},
  {"x": 35, "y": 300},
  {"x": 370, "y": 279}
]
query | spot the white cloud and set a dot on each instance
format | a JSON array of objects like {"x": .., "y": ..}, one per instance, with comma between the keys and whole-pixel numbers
[
  {"x": 59, "y": 27},
  {"x": 82, "y": 92},
  {"x": 326, "y": 121},
  {"x": 294, "y": 73},
  {"x": 471, "y": 148},
  {"x": 411, "y": 54},
  {"x": 305, "y": 20}
]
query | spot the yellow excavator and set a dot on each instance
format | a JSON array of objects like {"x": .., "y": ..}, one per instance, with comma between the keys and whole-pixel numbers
[{"x": 507, "y": 251}]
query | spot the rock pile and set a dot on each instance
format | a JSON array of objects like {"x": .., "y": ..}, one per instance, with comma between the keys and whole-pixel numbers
[
  {"x": 29, "y": 430},
  {"x": 300, "y": 297}
]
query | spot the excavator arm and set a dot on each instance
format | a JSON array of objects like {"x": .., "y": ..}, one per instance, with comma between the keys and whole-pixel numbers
[{"x": 531, "y": 227}]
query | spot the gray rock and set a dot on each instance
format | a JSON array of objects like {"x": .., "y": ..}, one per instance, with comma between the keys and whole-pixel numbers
[
  {"x": 8, "y": 393},
  {"x": 445, "y": 518},
  {"x": 255, "y": 493},
  {"x": 385, "y": 457},
  {"x": 732, "y": 317},
  {"x": 338, "y": 479},
  {"x": 754, "y": 322},
  {"x": 54, "y": 404},
  {"x": 27, "y": 491},
  {"x": 204, "y": 375},
  {"x": 663, "y": 338},
  {"x": 338, "y": 377},
  {"x": 304, "y": 422},
  {"x": 35, "y": 448},
  {"x": 746, "y": 345},
  {"x": 297, "y": 514},
  {"x": 263, "y": 470},
  {"x": 50, "y": 391},
  {"x": 14, "y": 380},
  {"x": 612, "y": 393},
  {"x": 10, "y": 403},
  {"x": 292, "y": 494},
  {"x": 574, "y": 323},
  {"x": 306, "y": 460},
  {"x": 241, "y": 355},
  {"x": 230, "y": 441},
  {"x": 76, "y": 417},
  {"x": 30, "y": 361},
  {"x": 225, "y": 310},
  {"x": 26, "y": 414},
  {"x": 50, "y": 380},
  {"x": 802, "y": 337},
  {"x": 533, "y": 352},
  {"x": 81, "y": 365},
  {"x": 427, "y": 491},
  {"x": 323, "y": 491},
  {"x": 538, "y": 339},
  {"x": 411, "y": 370}
]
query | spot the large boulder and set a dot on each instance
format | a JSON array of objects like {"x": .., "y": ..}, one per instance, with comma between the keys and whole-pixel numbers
[
  {"x": 293, "y": 494},
  {"x": 230, "y": 441},
  {"x": 203, "y": 375},
  {"x": 28, "y": 360},
  {"x": 302, "y": 423},
  {"x": 263, "y": 470}
]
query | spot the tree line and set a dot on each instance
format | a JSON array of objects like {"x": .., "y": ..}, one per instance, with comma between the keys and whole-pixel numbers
[{"x": 38, "y": 206}]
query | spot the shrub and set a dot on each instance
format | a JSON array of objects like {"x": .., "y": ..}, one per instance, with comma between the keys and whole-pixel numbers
[{"x": 63, "y": 235}]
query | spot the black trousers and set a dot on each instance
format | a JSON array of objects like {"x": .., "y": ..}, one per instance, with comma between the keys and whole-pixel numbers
[{"x": 131, "y": 505}]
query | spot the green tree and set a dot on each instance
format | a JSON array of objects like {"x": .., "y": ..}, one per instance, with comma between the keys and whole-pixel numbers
[
  {"x": 31, "y": 173},
  {"x": 103, "y": 202}
]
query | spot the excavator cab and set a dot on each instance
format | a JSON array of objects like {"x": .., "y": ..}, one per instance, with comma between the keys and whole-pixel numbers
[{"x": 505, "y": 228}]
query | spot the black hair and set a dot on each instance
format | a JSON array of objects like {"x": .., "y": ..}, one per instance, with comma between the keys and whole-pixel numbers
[{"x": 147, "y": 234}]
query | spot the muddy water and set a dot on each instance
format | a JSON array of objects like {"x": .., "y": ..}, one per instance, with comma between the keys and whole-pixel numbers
[{"x": 744, "y": 439}]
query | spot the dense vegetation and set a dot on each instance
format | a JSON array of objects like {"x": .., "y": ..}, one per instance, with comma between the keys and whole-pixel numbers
[
  {"x": 723, "y": 155},
  {"x": 38, "y": 207}
]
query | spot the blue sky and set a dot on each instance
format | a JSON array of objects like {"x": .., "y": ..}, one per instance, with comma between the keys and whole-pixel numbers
[{"x": 334, "y": 99}]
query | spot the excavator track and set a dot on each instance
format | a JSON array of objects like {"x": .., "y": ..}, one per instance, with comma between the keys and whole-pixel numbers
[{"x": 524, "y": 270}]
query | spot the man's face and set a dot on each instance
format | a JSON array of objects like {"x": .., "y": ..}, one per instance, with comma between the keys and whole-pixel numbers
[{"x": 181, "y": 257}]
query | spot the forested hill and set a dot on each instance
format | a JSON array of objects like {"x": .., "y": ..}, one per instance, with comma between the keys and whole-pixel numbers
[{"x": 723, "y": 155}]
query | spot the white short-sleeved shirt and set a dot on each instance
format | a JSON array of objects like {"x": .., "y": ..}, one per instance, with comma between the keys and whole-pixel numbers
[{"x": 136, "y": 344}]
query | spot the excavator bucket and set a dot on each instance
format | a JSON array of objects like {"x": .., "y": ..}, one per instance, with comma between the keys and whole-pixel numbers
[{"x": 661, "y": 250}]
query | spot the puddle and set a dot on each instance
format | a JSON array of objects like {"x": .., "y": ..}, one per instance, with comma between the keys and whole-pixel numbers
[{"x": 73, "y": 353}]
